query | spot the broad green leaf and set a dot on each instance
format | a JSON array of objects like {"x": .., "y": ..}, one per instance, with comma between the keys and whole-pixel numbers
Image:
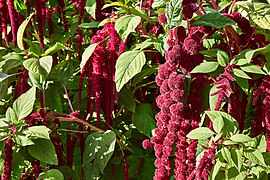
[
  {"x": 223, "y": 5},
  {"x": 240, "y": 73},
  {"x": 258, "y": 12},
  {"x": 255, "y": 156},
  {"x": 90, "y": 25},
  {"x": 11, "y": 116},
  {"x": 215, "y": 169},
  {"x": 36, "y": 132},
  {"x": 230, "y": 124},
  {"x": 62, "y": 72},
  {"x": 214, "y": 19},
  {"x": 241, "y": 176},
  {"x": 158, "y": 3},
  {"x": 144, "y": 119},
  {"x": 23, "y": 106},
  {"x": 174, "y": 13},
  {"x": 54, "y": 97},
  {"x": 52, "y": 174},
  {"x": 126, "y": 25},
  {"x": 44, "y": 151},
  {"x": 213, "y": 99},
  {"x": 3, "y": 76},
  {"x": 99, "y": 148},
  {"x": 237, "y": 158},
  {"x": 226, "y": 154},
  {"x": 21, "y": 30},
  {"x": 126, "y": 99},
  {"x": 87, "y": 54},
  {"x": 56, "y": 47},
  {"x": 91, "y": 6},
  {"x": 251, "y": 68},
  {"x": 201, "y": 133},
  {"x": 241, "y": 138},
  {"x": 23, "y": 140},
  {"x": 218, "y": 124},
  {"x": 34, "y": 47},
  {"x": 41, "y": 67},
  {"x": 243, "y": 83},
  {"x": 128, "y": 65},
  {"x": 18, "y": 162},
  {"x": 222, "y": 58},
  {"x": 205, "y": 67},
  {"x": 142, "y": 75}
]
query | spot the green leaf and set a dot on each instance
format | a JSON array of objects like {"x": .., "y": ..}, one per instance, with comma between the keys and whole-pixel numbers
[
  {"x": 52, "y": 174},
  {"x": 222, "y": 58},
  {"x": 34, "y": 47},
  {"x": 218, "y": 124},
  {"x": 237, "y": 158},
  {"x": 240, "y": 73},
  {"x": 142, "y": 75},
  {"x": 255, "y": 156},
  {"x": 258, "y": 12},
  {"x": 243, "y": 83},
  {"x": 251, "y": 68},
  {"x": 44, "y": 151},
  {"x": 126, "y": 99},
  {"x": 54, "y": 97},
  {"x": 126, "y": 25},
  {"x": 214, "y": 19},
  {"x": 36, "y": 132},
  {"x": 3, "y": 76},
  {"x": 90, "y": 25},
  {"x": 99, "y": 148},
  {"x": 158, "y": 3},
  {"x": 226, "y": 154},
  {"x": 201, "y": 133},
  {"x": 56, "y": 47},
  {"x": 240, "y": 138},
  {"x": 215, "y": 169},
  {"x": 128, "y": 65},
  {"x": 11, "y": 116},
  {"x": 23, "y": 106},
  {"x": 87, "y": 54},
  {"x": 144, "y": 119},
  {"x": 174, "y": 13},
  {"x": 91, "y": 6},
  {"x": 21, "y": 30},
  {"x": 41, "y": 67},
  {"x": 62, "y": 72},
  {"x": 23, "y": 140},
  {"x": 205, "y": 67}
]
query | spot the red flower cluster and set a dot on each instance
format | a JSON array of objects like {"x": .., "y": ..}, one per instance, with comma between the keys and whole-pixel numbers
[
  {"x": 6, "y": 175},
  {"x": 99, "y": 69},
  {"x": 189, "y": 7}
]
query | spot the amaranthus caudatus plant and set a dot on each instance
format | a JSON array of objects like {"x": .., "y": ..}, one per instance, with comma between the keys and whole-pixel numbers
[{"x": 134, "y": 89}]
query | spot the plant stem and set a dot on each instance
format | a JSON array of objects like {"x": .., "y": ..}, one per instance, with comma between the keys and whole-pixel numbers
[{"x": 69, "y": 101}]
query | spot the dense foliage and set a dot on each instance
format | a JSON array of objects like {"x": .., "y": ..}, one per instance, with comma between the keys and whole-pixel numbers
[{"x": 134, "y": 89}]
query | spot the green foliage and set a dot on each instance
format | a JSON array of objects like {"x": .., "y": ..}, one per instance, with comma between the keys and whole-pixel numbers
[{"x": 174, "y": 13}]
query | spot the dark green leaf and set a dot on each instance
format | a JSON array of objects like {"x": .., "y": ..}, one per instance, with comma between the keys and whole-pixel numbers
[
  {"x": 44, "y": 151},
  {"x": 56, "y": 47},
  {"x": 214, "y": 19},
  {"x": 128, "y": 65},
  {"x": 126, "y": 99},
  {"x": 205, "y": 67},
  {"x": 174, "y": 13},
  {"x": 23, "y": 106},
  {"x": 90, "y": 25},
  {"x": 144, "y": 119},
  {"x": 243, "y": 83},
  {"x": 255, "y": 156},
  {"x": 146, "y": 72},
  {"x": 99, "y": 148},
  {"x": 226, "y": 154},
  {"x": 201, "y": 133},
  {"x": 237, "y": 158}
]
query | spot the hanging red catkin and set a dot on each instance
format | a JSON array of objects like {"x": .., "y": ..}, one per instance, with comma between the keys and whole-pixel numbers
[
  {"x": 6, "y": 175},
  {"x": 38, "y": 8},
  {"x": 36, "y": 168},
  {"x": 13, "y": 20},
  {"x": 1, "y": 29},
  {"x": 82, "y": 5},
  {"x": 4, "y": 19},
  {"x": 125, "y": 167},
  {"x": 58, "y": 149},
  {"x": 63, "y": 13},
  {"x": 22, "y": 85},
  {"x": 43, "y": 13}
]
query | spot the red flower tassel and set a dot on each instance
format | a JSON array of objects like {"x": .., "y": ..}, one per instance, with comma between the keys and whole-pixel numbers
[
  {"x": 13, "y": 20},
  {"x": 6, "y": 175}
]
